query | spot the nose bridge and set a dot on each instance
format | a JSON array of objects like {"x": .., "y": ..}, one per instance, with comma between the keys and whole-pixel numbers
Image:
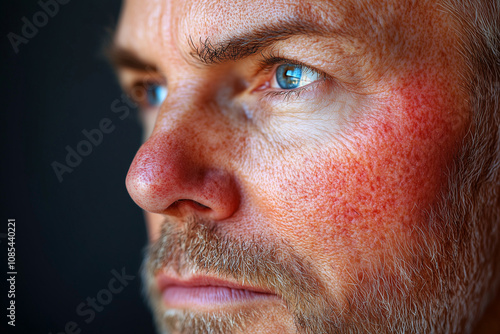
[
  {"x": 189, "y": 127},
  {"x": 201, "y": 115},
  {"x": 183, "y": 166}
]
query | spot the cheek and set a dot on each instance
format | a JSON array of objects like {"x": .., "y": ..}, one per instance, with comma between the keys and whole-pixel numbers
[
  {"x": 153, "y": 222},
  {"x": 353, "y": 203}
]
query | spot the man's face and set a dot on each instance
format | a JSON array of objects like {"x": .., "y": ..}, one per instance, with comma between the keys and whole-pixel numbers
[{"x": 296, "y": 172}]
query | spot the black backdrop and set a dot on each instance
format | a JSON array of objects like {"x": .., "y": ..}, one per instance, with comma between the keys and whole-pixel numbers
[{"x": 71, "y": 236}]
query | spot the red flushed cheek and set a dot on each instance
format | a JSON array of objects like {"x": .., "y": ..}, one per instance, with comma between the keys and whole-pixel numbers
[{"x": 353, "y": 200}]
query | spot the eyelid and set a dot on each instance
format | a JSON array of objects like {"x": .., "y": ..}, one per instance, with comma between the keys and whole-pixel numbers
[{"x": 272, "y": 59}]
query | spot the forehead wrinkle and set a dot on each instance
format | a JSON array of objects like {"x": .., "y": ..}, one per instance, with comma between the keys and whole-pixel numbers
[
  {"x": 230, "y": 18},
  {"x": 224, "y": 19}
]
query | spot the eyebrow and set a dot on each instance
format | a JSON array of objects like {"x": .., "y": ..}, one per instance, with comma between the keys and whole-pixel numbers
[
  {"x": 123, "y": 58},
  {"x": 248, "y": 43}
]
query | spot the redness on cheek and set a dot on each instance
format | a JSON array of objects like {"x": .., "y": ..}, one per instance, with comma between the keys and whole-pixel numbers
[
  {"x": 406, "y": 161},
  {"x": 350, "y": 201},
  {"x": 413, "y": 144}
]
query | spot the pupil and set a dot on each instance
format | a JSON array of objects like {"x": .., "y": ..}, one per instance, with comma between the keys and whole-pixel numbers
[{"x": 288, "y": 76}]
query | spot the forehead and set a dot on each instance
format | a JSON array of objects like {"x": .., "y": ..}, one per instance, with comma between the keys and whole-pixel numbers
[{"x": 158, "y": 25}]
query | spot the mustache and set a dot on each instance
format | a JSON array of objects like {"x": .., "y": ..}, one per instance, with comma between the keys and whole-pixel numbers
[{"x": 201, "y": 245}]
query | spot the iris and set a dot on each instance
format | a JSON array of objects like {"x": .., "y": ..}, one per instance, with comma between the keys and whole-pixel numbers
[
  {"x": 155, "y": 94},
  {"x": 291, "y": 76},
  {"x": 288, "y": 76}
]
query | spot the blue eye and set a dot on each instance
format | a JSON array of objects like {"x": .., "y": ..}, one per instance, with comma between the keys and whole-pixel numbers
[
  {"x": 288, "y": 76},
  {"x": 291, "y": 76},
  {"x": 155, "y": 94}
]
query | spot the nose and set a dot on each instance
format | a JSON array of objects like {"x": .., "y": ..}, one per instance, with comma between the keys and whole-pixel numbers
[{"x": 174, "y": 174}]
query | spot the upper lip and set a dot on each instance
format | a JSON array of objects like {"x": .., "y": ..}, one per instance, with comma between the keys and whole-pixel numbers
[{"x": 164, "y": 281}]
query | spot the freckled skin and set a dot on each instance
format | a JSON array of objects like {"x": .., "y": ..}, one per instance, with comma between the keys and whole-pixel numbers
[{"x": 341, "y": 197}]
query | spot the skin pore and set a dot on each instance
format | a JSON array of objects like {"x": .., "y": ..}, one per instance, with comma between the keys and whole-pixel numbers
[{"x": 338, "y": 200}]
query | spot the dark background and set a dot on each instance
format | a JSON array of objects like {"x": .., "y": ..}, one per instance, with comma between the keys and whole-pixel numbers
[{"x": 70, "y": 235}]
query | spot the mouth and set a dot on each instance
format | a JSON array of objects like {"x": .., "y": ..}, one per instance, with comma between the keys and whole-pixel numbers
[{"x": 208, "y": 293}]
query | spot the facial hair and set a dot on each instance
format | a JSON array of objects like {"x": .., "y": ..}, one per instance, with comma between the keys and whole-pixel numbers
[{"x": 199, "y": 246}]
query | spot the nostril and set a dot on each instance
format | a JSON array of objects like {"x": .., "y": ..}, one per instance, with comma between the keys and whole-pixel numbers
[
  {"x": 201, "y": 205},
  {"x": 197, "y": 205}
]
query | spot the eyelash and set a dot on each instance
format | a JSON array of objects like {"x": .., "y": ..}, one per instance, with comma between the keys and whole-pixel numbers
[{"x": 271, "y": 60}]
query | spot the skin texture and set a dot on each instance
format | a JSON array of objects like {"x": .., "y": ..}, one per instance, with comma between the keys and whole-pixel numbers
[{"x": 346, "y": 173}]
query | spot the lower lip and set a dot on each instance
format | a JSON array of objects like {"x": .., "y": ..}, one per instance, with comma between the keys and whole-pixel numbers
[{"x": 208, "y": 296}]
